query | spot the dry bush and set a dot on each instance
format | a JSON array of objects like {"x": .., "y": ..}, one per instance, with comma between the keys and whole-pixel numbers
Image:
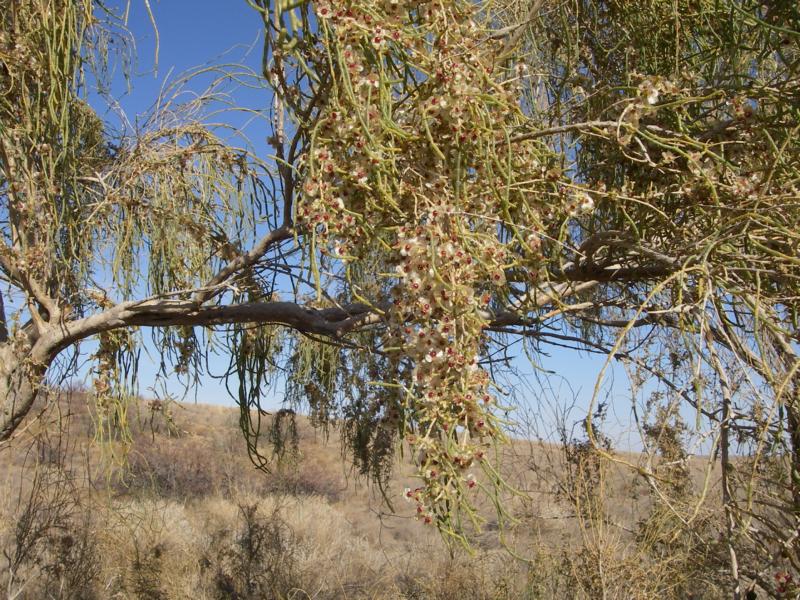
[
  {"x": 186, "y": 468},
  {"x": 48, "y": 539},
  {"x": 151, "y": 550},
  {"x": 305, "y": 479},
  {"x": 258, "y": 561},
  {"x": 489, "y": 576},
  {"x": 207, "y": 457},
  {"x": 284, "y": 546}
]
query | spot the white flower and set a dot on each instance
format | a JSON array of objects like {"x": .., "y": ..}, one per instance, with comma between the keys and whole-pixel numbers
[
  {"x": 433, "y": 355},
  {"x": 650, "y": 91},
  {"x": 534, "y": 241},
  {"x": 310, "y": 188},
  {"x": 409, "y": 246},
  {"x": 424, "y": 305},
  {"x": 587, "y": 204},
  {"x": 581, "y": 202},
  {"x": 498, "y": 277}
]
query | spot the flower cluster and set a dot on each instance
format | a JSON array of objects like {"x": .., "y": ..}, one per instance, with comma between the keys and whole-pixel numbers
[{"x": 413, "y": 147}]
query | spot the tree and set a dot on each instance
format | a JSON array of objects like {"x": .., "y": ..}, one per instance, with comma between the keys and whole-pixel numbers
[{"x": 447, "y": 177}]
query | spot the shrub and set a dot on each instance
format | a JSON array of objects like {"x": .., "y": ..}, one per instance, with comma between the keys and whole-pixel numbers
[
  {"x": 50, "y": 549},
  {"x": 259, "y": 562}
]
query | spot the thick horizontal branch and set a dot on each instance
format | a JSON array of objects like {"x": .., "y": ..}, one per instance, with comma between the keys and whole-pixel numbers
[
  {"x": 593, "y": 272},
  {"x": 332, "y": 322},
  {"x": 539, "y": 298}
]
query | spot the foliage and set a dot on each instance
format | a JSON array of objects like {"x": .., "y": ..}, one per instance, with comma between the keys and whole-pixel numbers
[{"x": 447, "y": 178}]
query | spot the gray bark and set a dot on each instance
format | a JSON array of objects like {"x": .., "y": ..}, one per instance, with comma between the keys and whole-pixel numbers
[
  {"x": 23, "y": 364},
  {"x": 20, "y": 380}
]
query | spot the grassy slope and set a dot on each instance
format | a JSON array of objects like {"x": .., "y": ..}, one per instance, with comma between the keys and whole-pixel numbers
[{"x": 179, "y": 516}]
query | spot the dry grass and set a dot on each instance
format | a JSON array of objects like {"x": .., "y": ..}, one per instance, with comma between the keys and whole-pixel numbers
[{"x": 188, "y": 516}]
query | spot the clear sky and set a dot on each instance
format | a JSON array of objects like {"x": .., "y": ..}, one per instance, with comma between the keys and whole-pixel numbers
[
  {"x": 197, "y": 32},
  {"x": 190, "y": 34}
]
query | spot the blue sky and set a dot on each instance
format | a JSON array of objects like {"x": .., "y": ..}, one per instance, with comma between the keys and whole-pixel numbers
[
  {"x": 223, "y": 31},
  {"x": 190, "y": 35}
]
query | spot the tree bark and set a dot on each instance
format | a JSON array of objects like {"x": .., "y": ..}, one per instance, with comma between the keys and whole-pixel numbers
[
  {"x": 3, "y": 323},
  {"x": 21, "y": 378},
  {"x": 24, "y": 364}
]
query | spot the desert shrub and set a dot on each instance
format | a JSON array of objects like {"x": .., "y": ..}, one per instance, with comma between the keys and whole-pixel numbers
[
  {"x": 685, "y": 562},
  {"x": 194, "y": 468},
  {"x": 259, "y": 562},
  {"x": 146, "y": 573},
  {"x": 188, "y": 468},
  {"x": 49, "y": 546},
  {"x": 485, "y": 576},
  {"x": 305, "y": 479},
  {"x": 238, "y": 532},
  {"x": 151, "y": 549}
]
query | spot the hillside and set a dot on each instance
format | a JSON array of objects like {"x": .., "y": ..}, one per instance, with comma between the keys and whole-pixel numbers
[{"x": 186, "y": 515}]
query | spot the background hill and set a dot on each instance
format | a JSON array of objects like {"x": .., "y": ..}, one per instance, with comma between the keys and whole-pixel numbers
[{"x": 184, "y": 514}]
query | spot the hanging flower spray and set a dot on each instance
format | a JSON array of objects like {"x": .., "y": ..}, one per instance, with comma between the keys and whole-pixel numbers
[{"x": 413, "y": 148}]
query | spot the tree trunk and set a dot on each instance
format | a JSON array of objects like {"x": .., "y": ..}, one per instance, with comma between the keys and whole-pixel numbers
[{"x": 20, "y": 380}]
